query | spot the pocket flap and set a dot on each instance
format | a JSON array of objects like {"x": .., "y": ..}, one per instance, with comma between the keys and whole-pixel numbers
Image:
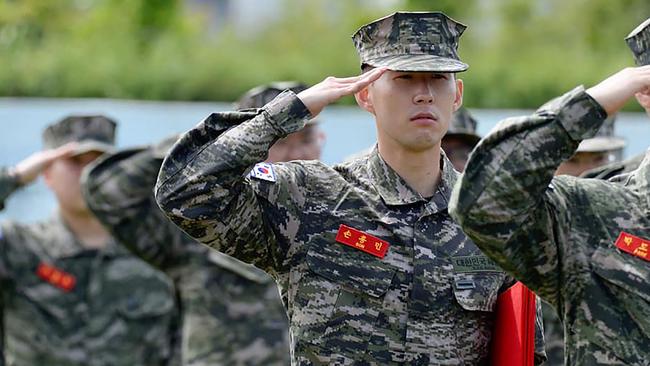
[
  {"x": 624, "y": 270},
  {"x": 349, "y": 267}
]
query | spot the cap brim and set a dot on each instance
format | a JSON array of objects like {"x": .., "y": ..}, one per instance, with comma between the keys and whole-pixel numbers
[
  {"x": 470, "y": 138},
  {"x": 88, "y": 146},
  {"x": 597, "y": 144},
  {"x": 427, "y": 63}
]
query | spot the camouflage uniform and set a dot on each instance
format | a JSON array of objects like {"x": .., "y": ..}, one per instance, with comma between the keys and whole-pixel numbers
[
  {"x": 557, "y": 235},
  {"x": 67, "y": 305},
  {"x": 430, "y": 300},
  {"x": 232, "y": 313}
]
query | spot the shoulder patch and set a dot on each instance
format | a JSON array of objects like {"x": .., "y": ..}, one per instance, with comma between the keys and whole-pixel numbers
[{"x": 263, "y": 171}]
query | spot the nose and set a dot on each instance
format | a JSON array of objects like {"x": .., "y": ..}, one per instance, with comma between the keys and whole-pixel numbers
[{"x": 424, "y": 94}]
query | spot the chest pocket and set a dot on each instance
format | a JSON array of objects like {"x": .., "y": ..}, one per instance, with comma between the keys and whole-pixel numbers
[
  {"x": 351, "y": 268},
  {"x": 476, "y": 282},
  {"x": 628, "y": 277}
]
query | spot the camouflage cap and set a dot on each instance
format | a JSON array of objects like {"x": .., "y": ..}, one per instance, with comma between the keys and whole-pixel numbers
[
  {"x": 604, "y": 140},
  {"x": 463, "y": 125},
  {"x": 411, "y": 41},
  {"x": 639, "y": 42},
  {"x": 94, "y": 133}
]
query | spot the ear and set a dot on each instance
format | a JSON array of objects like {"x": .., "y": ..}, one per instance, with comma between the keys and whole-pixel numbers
[
  {"x": 47, "y": 176},
  {"x": 458, "y": 101},
  {"x": 363, "y": 99}
]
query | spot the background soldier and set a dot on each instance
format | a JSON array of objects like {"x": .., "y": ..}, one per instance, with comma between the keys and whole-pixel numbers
[
  {"x": 372, "y": 267},
  {"x": 71, "y": 295},
  {"x": 461, "y": 138},
  {"x": 580, "y": 244},
  {"x": 231, "y": 311}
]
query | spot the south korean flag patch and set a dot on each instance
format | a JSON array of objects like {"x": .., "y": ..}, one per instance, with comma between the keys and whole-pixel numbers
[{"x": 263, "y": 171}]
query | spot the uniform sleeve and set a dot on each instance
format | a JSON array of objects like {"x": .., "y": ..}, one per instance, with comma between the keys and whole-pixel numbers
[
  {"x": 8, "y": 185},
  {"x": 505, "y": 200},
  {"x": 119, "y": 191},
  {"x": 203, "y": 185},
  {"x": 540, "y": 342}
]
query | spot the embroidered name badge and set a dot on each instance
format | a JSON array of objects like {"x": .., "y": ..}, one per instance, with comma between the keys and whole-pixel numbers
[
  {"x": 362, "y": 241},
  {"x": 474, "y": 263},
  {"x": 263, "y": 171},
  {"x": 56, "y": 277},
  {"x": 633, "y": 245}
]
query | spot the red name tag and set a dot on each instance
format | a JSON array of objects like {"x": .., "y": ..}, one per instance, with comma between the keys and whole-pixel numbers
[
  {"x": 362, "y": 241},
  {"x": 633, "y": 245},
  {"x": 56, "y": 277}
]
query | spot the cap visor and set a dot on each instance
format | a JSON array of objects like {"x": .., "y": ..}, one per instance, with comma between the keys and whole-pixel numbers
[
  {"x": 88, "y": 146},
  {"x": 597, "y": 144},
  {"x": 416, "y": 63}
]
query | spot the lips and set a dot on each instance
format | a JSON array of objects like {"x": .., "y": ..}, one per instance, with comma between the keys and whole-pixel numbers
[{"x": 424, "y": 117}]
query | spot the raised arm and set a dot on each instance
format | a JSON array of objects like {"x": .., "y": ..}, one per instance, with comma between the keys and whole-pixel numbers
[
  {"x": 118, "y": 189},
  {"x": 203, "y": 185},
  {"x": 507, "y": 200}
]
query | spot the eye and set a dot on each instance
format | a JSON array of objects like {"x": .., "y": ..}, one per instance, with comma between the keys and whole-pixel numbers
[
  {"x": 404, "y": 77},
  {"x": 439, "y": 76}
]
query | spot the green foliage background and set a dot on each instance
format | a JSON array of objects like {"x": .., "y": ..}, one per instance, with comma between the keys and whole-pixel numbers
[{"x": 521, "y": 52}]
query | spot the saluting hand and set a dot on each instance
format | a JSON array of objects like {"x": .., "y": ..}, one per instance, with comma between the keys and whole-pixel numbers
[
  {"x": 30, "y": 168},
  {"x": 613, "y": 92},
  {"x": 644, "y": 99},
  {"x": 332, "y": 89}
]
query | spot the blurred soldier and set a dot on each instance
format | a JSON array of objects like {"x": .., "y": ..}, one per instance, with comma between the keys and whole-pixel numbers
[
  {"x": 581, "y": 244},
  {"x": 595, "y": 152},
  {"x": 232, "y": 313},
  {"x": 371, "y": 267},
  {"x": 305, "y": 144},
  {"x": 71, "y": 295},
  {"x": 461, "y": 138}
]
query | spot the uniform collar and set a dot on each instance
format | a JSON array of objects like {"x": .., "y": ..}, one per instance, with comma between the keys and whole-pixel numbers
[
  {"x": 395, "y": 191},
  {"x": 63, "y": 243}
]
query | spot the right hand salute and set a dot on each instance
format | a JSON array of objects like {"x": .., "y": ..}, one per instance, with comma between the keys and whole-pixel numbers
[
  {"x": 332, "y": 89},
  {"x": 613, "y": 92},
  {"x": 30, "y": 168}
]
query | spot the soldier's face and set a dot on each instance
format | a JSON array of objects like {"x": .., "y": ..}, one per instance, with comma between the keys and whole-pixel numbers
[
  {"x": 412, "y": 109},
  {"x": 305, "y": 144},
  {"x": 62, "y": 176},
  {"x": 580, "y": 162}
]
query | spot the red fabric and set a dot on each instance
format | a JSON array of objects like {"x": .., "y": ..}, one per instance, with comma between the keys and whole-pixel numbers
[{"x": 513, "y": 339}]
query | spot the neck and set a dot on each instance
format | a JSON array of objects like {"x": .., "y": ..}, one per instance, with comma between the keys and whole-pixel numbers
[
  {"x": 86, "y": 228},
  {"x": 419, "y": 169}
]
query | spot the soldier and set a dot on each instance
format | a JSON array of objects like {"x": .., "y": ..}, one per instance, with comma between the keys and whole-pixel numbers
[
  {"x": 371, "y": 267},
  {"x": 461, "y": 138},
  {"x": 231, "y": 311},
  {"x": 71, "y": 295},
  {"x": 581, "y": 244},
  {"x": 594, "y": 152}
]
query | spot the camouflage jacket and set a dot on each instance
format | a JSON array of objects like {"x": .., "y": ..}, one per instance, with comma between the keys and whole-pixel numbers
[
  {"x": 558, "y": 235},
  {"x": 429, "y": 300},
  {"x": 65, "y": 305},
  {"x": 231, "y": 311}
]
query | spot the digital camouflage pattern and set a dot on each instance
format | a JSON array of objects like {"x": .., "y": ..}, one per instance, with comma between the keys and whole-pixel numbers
[
  {"x": 639, "y": 42},
  {"x": 93, "y": 133},
  {"x": 429, "y": 301},
  {"x": 557, "y": 235},
  {"x": 411, "y": 41},
  {"x": 231, "y": 312},
  {"x": 99, "y": 308}
]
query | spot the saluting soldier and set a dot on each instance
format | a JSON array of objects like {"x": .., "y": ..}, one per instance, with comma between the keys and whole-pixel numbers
[
  {"x": 372, "y": 267},
  {"x": 581, "y": 244},
  {"x": 71, "y": 295}
]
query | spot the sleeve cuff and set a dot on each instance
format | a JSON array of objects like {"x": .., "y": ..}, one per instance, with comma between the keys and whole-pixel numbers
[
  {"x": 287, "y": 113},
  {"x": 578, "y": 113}
]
